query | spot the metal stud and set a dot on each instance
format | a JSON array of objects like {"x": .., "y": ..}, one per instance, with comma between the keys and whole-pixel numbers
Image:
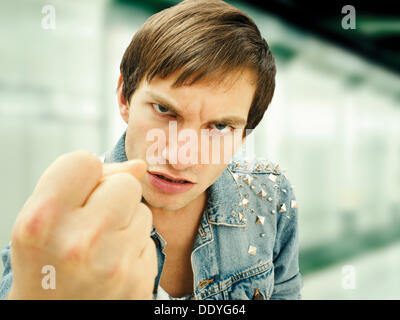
[
  {"x": 202, "y": 233},
  {"x": 276, "y": 168},
  {"x": 241, "y": 216},
  {"x": 262, "y": 235},
  {"x": 252, "y": 187},
  {"x": 252, "y": 210},
  {"x": 272, "y": 177},
  {"x": 282, "y": 208},
  {"x": 246, "y": 196},
  {"x": 248, "y": 179},
  {"x": 293, "y": 204},
  {"x": 276, "y": 186},
  {"x": 270, "y": 199},
  {"x": 240, "y": 186},
  {"x": 262, "y": 193},
  {"x": 284, "y": 191},
  {"x": 260, "y": 220},
  {"x": 273, "y": 211},
  {"x": 252, "y": 250},
  {"x": 257, "y": 294},
  {"x": 285, "y": 176},
  {"x": 288, "y": 217},
  {"x": 233, "y": 213},
  {"x": 245, "y": 202}
]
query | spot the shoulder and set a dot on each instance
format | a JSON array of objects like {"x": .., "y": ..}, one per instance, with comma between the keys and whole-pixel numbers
[
  {"x": 269, "y": 174},
  {"x": 266, "y": 184},
  {"x": 254, "y": 165}
]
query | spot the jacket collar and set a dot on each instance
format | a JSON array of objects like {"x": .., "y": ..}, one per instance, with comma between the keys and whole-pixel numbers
[
  {"x": 224, "y": 200},
  {"x": 117, "y": 154},
  {"x": 225, "y": 205}
]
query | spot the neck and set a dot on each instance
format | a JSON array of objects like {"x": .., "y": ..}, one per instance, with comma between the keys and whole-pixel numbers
[{"x": 181, "y": 224}]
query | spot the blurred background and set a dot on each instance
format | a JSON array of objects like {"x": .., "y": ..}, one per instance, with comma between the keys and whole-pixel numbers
[{"x": 334, "y": 123}]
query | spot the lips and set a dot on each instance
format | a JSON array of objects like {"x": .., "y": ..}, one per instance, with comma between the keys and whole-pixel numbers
[
  {"x": 170, "y": 178},
  {"x": 163, "y": 184}
]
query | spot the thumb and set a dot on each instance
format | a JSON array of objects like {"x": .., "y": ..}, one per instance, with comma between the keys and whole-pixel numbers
[{"x": 136, "y": 168}]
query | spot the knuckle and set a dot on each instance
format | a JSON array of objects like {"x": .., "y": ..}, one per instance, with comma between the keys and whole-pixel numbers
[
  {"x": 130, "y": 183},
  {"x": 93, "y": 235},
  {"x": 73, "y": 252},
  {"x": 116, "y": 271},
  {"x": 88, "y": 161},
  {"x": 84, "y": 155},
  {"x": 36, "y": 220}
]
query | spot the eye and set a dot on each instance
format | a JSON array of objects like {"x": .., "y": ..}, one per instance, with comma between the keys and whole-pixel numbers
[
  {"x": 222, "y": 128},
  {"x": 160, "y": 109}
]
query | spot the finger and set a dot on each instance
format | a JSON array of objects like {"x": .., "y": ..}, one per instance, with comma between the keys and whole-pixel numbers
[
  {"x": 139, "y": 230},
  {"x": 146, "y": 271},
  {"x": 113, "y": 203},
  {"x": 149, "y": 258},
  {"x": 136, "y": 167},
  {"x": 70, "y": 179}
]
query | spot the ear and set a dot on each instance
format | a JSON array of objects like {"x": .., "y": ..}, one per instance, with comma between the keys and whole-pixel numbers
[{"x": 122, "y": 103}]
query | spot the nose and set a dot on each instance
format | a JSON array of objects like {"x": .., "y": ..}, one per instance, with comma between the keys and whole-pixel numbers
[{"x": 181, "y": 154}]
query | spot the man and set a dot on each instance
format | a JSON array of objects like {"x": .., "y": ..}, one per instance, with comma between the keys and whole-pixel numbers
[{"x": 220, "y": 231}]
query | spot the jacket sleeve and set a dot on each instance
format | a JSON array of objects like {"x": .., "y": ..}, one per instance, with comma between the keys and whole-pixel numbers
[
  {"x": 6, "y": 280},
  {"x": 287, "y": 278}
]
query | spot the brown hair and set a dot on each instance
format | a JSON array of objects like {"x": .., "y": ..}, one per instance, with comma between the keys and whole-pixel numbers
[{"x": 200, "y": 38}]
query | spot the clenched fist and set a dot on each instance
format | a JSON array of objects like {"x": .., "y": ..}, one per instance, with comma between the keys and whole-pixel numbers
[{"x": 86, "y": 220}]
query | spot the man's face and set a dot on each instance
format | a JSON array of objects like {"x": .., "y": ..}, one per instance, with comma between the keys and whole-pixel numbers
[{"x": 155, "y": 106}]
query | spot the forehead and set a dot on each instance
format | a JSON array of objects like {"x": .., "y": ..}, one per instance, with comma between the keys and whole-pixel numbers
[{"x": 233, "y": 93}]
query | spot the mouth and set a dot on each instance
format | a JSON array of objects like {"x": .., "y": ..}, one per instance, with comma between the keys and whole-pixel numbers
[
  {"x": 170, "y": 178},
  {"x": 169, "y": 184}
]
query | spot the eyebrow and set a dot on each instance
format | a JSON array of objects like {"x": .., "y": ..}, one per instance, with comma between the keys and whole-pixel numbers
[{"x": 164, "y": 102}]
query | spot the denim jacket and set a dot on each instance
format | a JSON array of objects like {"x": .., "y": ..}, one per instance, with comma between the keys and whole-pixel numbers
[{"x": 247, "y": 243}]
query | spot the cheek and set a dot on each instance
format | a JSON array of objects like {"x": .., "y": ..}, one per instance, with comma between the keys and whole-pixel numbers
[
  {"x": 139, "y": 123},
  {"x": 136, "y": 143},
  {"x": 212, "y": 172},
  {"x": 220, "y": 153}
]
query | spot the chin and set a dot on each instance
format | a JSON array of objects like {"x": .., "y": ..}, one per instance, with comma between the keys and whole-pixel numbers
[{"x": 166, "y": 202}]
